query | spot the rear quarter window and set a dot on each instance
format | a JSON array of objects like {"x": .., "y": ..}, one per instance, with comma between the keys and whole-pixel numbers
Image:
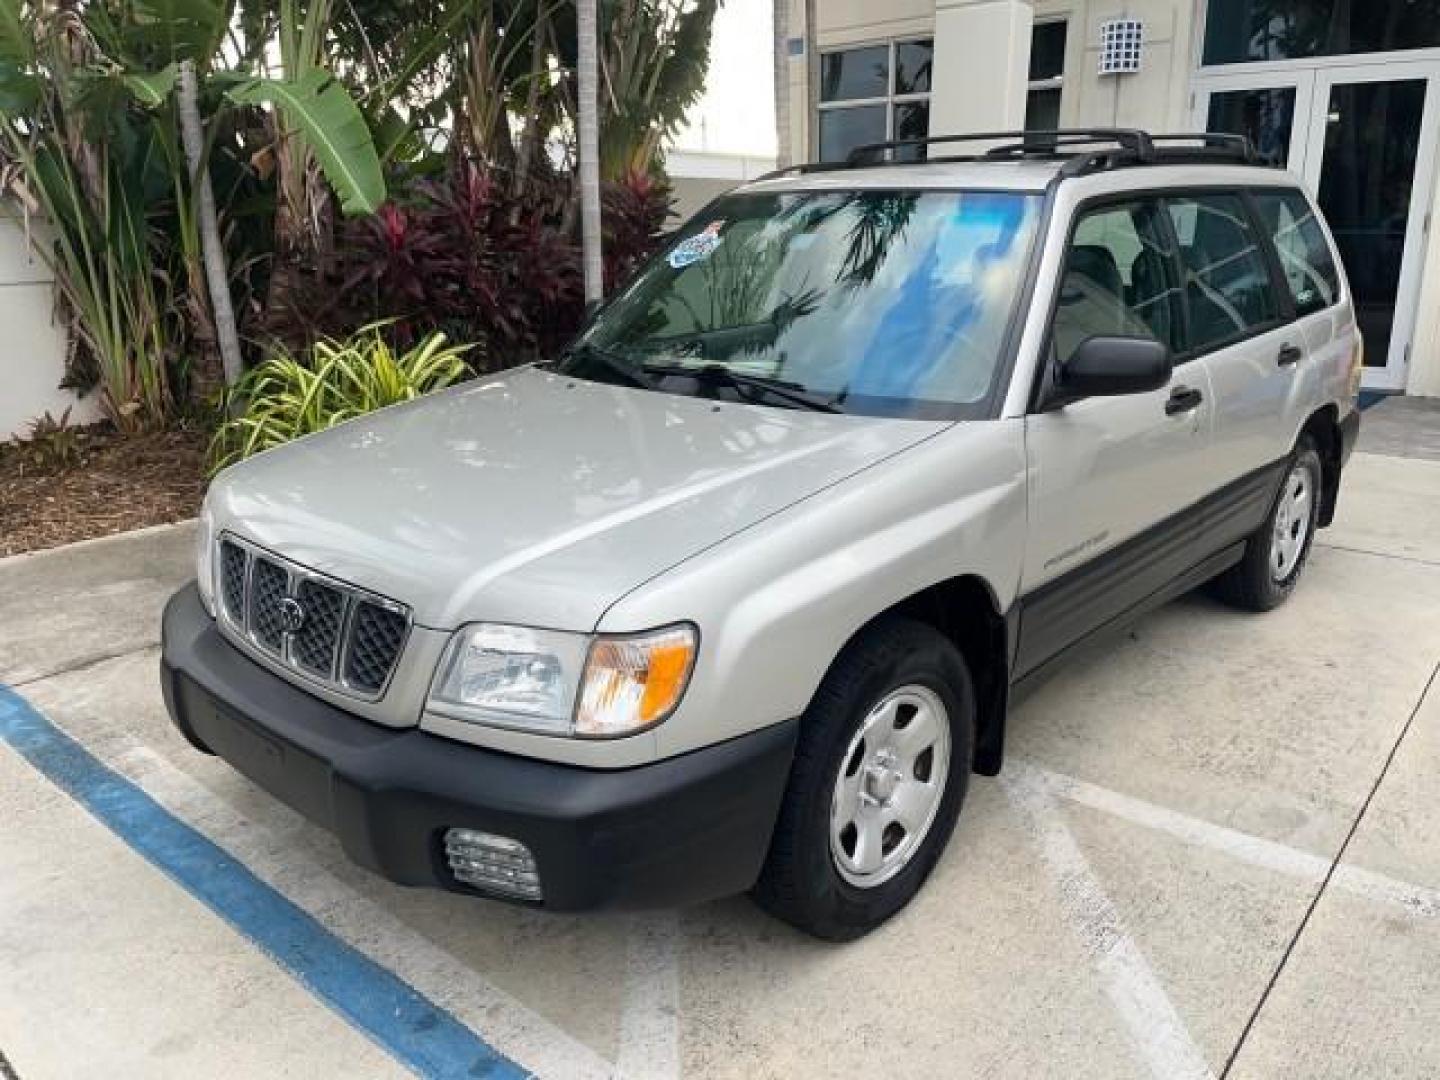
[{"x": 1305, "y": 257}]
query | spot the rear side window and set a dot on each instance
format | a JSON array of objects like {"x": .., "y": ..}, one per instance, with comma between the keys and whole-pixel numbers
[
  {"x": 1118, "y": 279},
  {"x": 1300, "y": 243},
  {"x": 1227, "y": 283}
]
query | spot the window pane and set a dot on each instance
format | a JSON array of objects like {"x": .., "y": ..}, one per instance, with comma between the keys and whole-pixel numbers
[
  {"x": 841, "y": 130},
  {"x": 1118, "y": 280},
  {"x": 1304, "y": 255},
  {"x": 912, "y": 66},
  {"x": 1047, "y": 51},
  {"x": 1240, "y": 30},
  {"x": 1265, "y": 117},
  {"x": 912, "y": 121},
  {"x": 855, "y": 73},
  {"x": 1042, "y": 110},
  {"x": 1227, "y": 284}
]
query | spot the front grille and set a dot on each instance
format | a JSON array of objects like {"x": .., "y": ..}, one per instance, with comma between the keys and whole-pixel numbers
[
  {"x": 334, "y": 633},
  {"x": 375, "y": 639},
  {"x": 269, "y": 583}
]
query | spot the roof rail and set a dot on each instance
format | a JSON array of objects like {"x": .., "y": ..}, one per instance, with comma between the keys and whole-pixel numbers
[
  {"x": 1083, "y": 150},
  {"x": 1228, "y": 146},
  {"x": 1134, "y": 140}
]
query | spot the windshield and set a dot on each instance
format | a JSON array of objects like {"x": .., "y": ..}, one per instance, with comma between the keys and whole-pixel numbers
[{"x": 876, "y": 302}]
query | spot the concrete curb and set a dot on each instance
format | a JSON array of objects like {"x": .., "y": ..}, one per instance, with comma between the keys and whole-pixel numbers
[{"x": 78, "y": 545}]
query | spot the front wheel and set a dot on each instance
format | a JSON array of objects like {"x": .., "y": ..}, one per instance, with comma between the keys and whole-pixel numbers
[
  {"x": 880, "y": 772},
  {"x": 1276, "y": 553}
]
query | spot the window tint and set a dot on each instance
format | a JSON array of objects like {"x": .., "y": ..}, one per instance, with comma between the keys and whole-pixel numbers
[
  {"x": 842, "y": 130},
  {"x": 1227, "y": 284},
  {"x": 1304, "y": 255},
  {"x": 1118, "y": 280},
  {"x": 1245, "y": 30},
  {"x": 855, "y": 73}
]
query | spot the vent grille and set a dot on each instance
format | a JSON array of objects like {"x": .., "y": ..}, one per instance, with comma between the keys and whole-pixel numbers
[{"x": 333, "y": 633}]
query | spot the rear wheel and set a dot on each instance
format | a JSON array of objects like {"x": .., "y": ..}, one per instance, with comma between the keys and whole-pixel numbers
[
  {"x": 1276, "y": 553},
  {"x": 880, "y": 772}
]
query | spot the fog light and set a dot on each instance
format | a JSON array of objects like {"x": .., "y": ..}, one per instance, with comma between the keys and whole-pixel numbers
[{"x": 493, "y": 863}]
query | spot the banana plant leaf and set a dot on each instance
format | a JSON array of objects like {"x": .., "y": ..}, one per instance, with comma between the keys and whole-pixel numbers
[
  {"x": 327, "y": 118},
  {"x": 181, "y": 29},
  {"x": 16, "y": 44},
  {"x": 151, "y": 90},
  {"x": 19, "y": 92}
]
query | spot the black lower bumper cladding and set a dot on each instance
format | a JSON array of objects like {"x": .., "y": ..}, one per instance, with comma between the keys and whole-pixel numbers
[{"x": 686, "y": 829}]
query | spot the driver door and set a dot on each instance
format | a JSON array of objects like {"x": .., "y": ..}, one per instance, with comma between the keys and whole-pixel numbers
[{"x": 1111, "y": 479}]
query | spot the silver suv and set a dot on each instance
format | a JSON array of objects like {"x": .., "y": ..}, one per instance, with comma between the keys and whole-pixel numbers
[{"x": 736, "y": 594}]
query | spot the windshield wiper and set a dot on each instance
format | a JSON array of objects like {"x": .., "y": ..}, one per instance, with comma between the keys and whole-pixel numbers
[
  {"x": 719, "y": 375},
  {"x": 612, "y": 362}
]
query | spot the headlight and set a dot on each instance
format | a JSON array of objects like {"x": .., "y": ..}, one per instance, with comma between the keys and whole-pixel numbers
[
  {"x": 204, "y": 553},
  {"x": 564, "y": 684}
]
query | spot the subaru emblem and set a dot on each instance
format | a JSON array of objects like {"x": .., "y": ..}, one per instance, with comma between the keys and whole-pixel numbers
[{"x": 292, "y": 614}]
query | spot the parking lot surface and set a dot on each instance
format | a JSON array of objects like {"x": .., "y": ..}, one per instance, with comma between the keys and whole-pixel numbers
[{"x": 1214, "y": 850}]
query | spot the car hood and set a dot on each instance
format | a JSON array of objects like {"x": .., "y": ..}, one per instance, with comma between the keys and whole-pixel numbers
[{"x": 537, "y": 498}]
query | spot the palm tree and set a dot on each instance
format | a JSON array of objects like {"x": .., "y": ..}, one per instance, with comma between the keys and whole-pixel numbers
[
  {"x": 782, "y": 82},
  {"x": 589, "y": 125},
  {"x": 212, "y": 248}
]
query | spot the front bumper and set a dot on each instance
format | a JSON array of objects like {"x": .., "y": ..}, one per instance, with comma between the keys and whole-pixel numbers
[{"x": 686, "y": 829}]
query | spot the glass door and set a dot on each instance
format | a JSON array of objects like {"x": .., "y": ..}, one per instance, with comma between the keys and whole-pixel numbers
[
  {"x": 1272, "y": 110},
  {"x": 1363, "y": 138},
  {"x": 1370, "y": 160}
]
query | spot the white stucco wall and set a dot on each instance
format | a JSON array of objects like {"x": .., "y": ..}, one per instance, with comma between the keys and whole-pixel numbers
[
  {"x": 697, "y": 176},
  {"x": 32, "y": 344}
]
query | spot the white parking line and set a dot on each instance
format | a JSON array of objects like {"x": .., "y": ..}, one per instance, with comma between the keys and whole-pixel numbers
[
  {"x": 1155, "y": 1027},
  {"x": 1415, "y": 899},
  {"x": 505, "y": 1023},
  {"x": 649, "y": 1024}
]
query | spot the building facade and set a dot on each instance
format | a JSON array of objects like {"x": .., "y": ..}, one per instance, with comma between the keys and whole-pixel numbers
[{"x": 1345, "y": 93}]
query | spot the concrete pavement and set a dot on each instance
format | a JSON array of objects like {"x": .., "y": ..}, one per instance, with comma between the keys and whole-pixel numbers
[{"x": 1214, "y": 848}]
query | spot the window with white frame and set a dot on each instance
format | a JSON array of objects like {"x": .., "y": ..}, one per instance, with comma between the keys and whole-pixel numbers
[
  {"x": 1047, "y": 72},
  {"x": 875, "y": 93}
]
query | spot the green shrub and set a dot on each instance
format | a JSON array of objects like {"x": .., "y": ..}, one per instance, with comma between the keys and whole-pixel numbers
[{"x": 285, "y": 398}]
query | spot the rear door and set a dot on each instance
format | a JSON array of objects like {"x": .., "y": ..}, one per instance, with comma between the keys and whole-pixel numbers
[
  {"x": 1242, "y": 325},
  {"x": 1112, "y": 478}
]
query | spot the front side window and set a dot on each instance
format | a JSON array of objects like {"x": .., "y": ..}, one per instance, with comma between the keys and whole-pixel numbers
[
  {"x": 1305, "y": 257},
  {"x": 873, "y": 94},
  {"x": 1227, "y": 284},
  {"x": 1118, "y": 280},
  {"x": 889, "y": 303}
]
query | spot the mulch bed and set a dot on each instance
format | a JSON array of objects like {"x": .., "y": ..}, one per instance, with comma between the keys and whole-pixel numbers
[{"x": 117, "y": 483}]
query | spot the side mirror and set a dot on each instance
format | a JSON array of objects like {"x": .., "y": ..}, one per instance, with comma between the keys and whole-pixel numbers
[{"x": 1109, "y": 367}]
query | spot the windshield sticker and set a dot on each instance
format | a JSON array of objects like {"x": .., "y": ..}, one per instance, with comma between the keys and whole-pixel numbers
[{"x": 695, "y": 248}]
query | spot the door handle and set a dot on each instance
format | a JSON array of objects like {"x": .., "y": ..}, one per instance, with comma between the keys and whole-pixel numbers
[
  {"x": 1182, "y": 399},
  {"x": 1289, "y": 354}
]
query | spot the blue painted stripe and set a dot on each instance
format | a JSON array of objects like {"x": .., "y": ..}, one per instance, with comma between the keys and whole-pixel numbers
[{"x": 418, "y": 1033}]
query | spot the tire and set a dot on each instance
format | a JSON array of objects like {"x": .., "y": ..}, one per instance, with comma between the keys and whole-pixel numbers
[
  {"x": 1266, "y": 575},
  {"x": 838, "y": 883}
]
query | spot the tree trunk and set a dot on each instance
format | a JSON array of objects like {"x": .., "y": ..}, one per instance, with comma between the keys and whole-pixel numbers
[
  {"x": 589, "y": 123},
  {"x": 217, "y": 277},
  {"x": 782, "y": 83}
]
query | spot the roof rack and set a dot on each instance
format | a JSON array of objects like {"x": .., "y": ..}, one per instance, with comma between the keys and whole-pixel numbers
[{"x": 1083, "y": 150}]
